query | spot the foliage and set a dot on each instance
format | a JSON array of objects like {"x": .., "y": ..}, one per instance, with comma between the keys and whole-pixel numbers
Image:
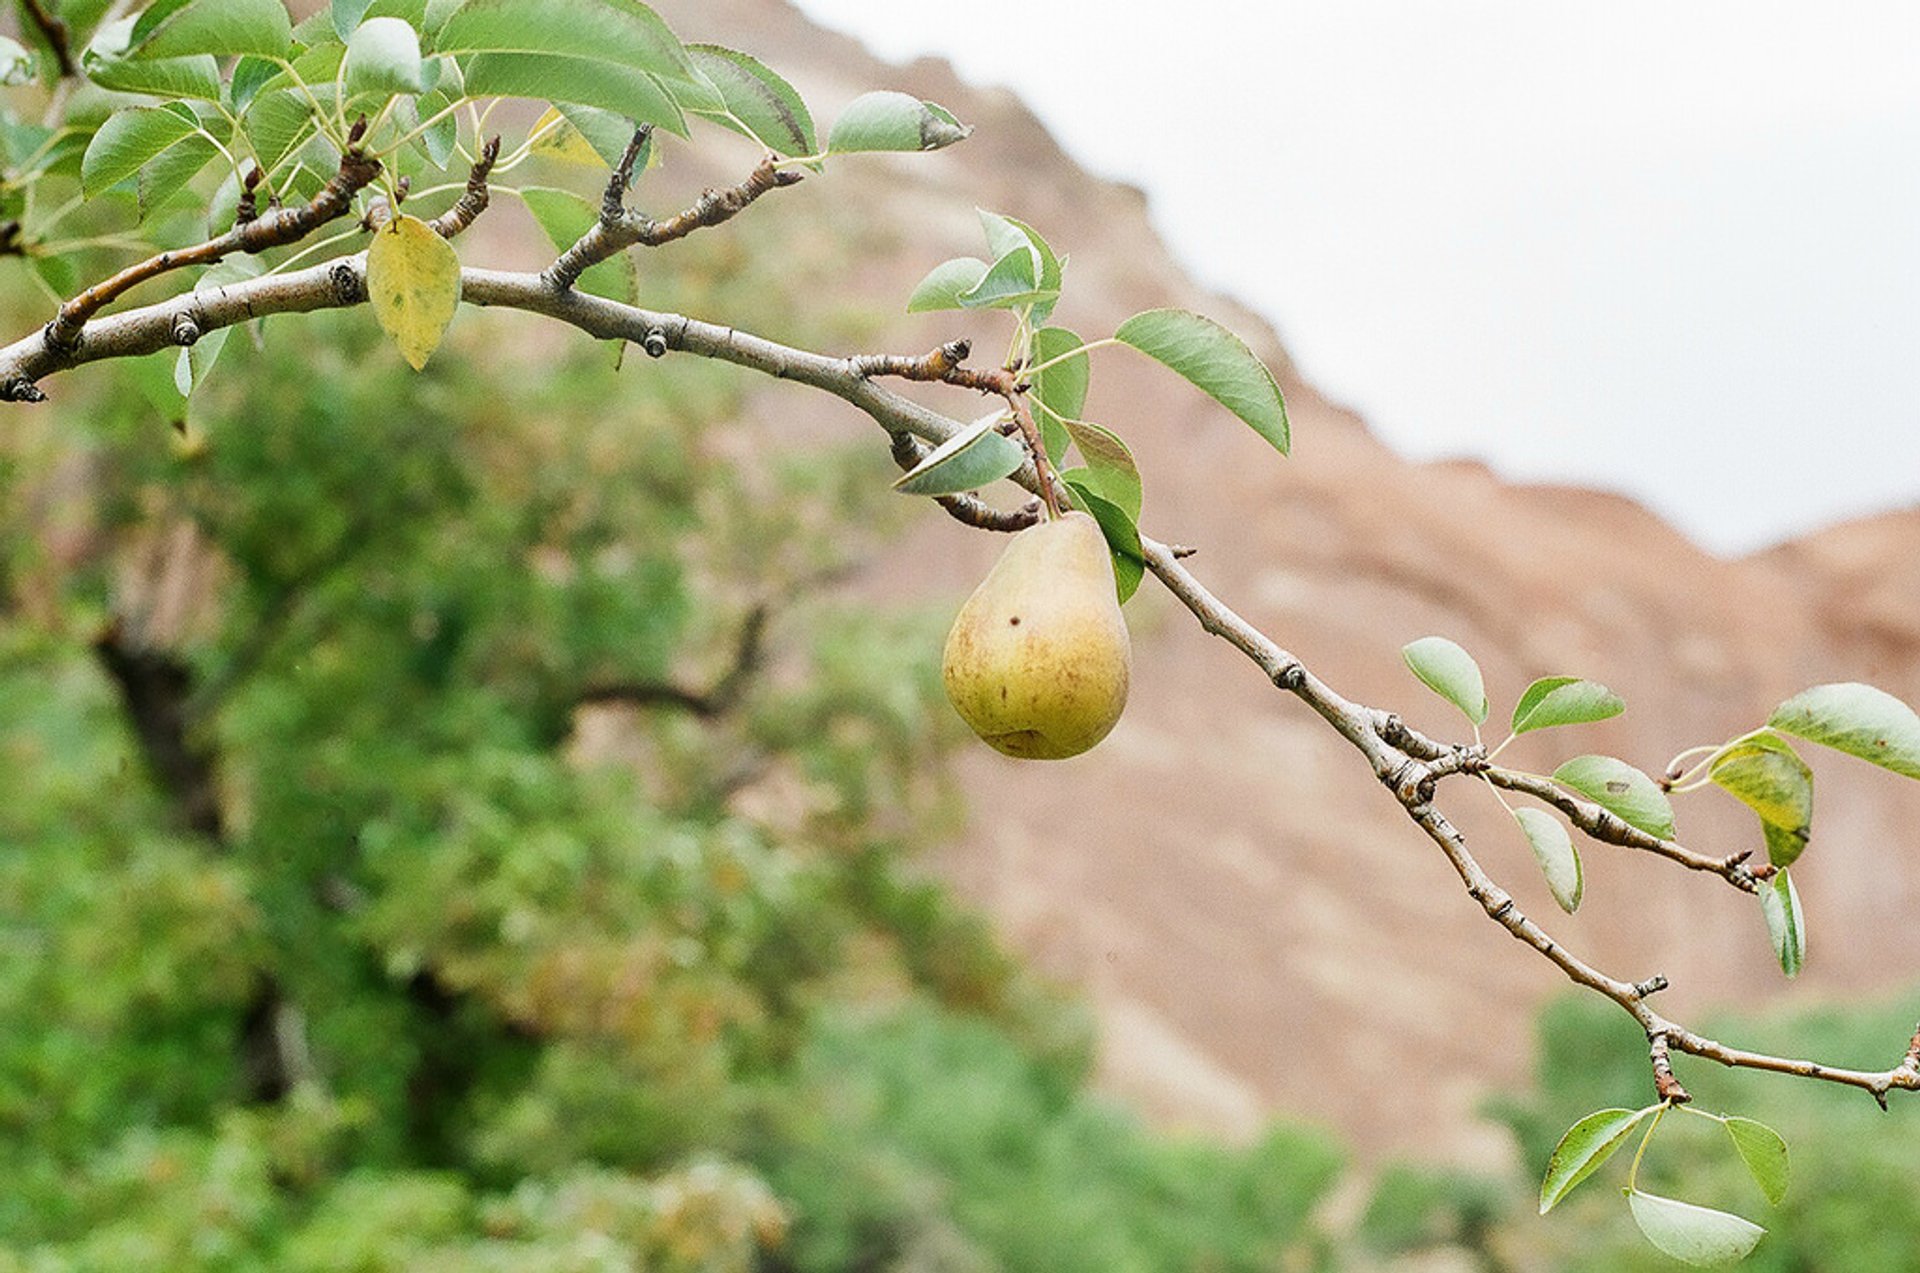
[{"x": 1851, "y": 1208}]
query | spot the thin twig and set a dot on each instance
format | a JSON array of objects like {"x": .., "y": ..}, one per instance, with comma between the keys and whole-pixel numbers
[
  {"x": 1665, "y": 1085},
  {"x": 473, "y": 201},
  {"x": 1604, "y": 826},
  {"x": 619, "y": 229},
  {"x": 276, "y": 229}
]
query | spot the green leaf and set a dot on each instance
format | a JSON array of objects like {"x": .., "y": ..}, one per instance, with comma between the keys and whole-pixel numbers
[
  {"x": 1580, "y": 1153},
  {"x": 170, "y": 171},
  {"x": 972, "y": 458},
  {"x": 1450, "y": 672},
  {"x": 1693, "y": 1235},
  {"x": 383, "y": 57},
  {"x": 566, "y": 216},
  {"x": 617, "y": 32},
  {"x": 129, "y": 139},
  {"x": 580, "y": 81},
  {"x": 893, "y": 121},
  {"x": 1764, "y": 1152},
  {"x": 1008, "y": 284},
  {"x": 1123, "y": 537},
  {"x": 250, "y": 75},
  {"x": 1564, "y": 700},
  {"x": 1786, "y": 925},
  {"x": 1621, "y": 790},
  {"x": 1217, "y": 362},
  {"x": 346, "y": 16},
  {"x": 1005, "y": 234},
  {"x": 106, "y": 65},
  {"x": 439, "y": 138},
  {"x": 17, "y": 63},
  {"x": 435, "y": 18},
  {"x": 220, "y": 28},
  {"x": 1061, "y": 389},
  {"x": 276, "y": 124},
  {"x": 758, "y": 102},
  {"x": 944, "y": 285},
  {"x": 1553, "y": 850},
  {"x": 1107, "y": 456},
  {"x": 1769, "y": 777},
  {"x": 413, "y": 284},
  {"x": 607, "y": 134},
  {"x": 1857, "y": 719}
]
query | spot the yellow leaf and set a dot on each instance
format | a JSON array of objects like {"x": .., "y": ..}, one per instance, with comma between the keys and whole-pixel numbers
[
  {"x": 560, "y": 140},
  {"x": 413, "y": 282}
]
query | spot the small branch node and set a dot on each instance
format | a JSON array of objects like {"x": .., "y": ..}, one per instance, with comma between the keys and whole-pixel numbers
[
  {"x": 1182, "y": 551},
  {"x": 1651, "y": 986},
  {"x": 1665, "y": 1085},
  {"x": 655, "y": 342},
  {"x": 613, "y": 203},
  {"x": 186, "y": 330},
  {"x": 347, "y": 287},
  {"x": 20, "y": 389}
]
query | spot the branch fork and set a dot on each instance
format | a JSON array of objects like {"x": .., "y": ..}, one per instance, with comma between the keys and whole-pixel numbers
[{"x": 619, "y": 228}]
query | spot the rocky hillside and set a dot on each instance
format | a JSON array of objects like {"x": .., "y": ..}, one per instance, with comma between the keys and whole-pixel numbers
[{"x": 1262, "y": 931}]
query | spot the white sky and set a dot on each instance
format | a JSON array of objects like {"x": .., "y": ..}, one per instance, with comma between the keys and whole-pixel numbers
[{"x": 1667, "y": 247}]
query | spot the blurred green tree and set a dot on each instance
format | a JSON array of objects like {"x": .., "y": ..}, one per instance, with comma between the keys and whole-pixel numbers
[{"x": 450, "y": 827}]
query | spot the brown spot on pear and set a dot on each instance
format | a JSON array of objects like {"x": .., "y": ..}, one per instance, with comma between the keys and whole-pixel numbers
[{"x": 1038, "y": 660}]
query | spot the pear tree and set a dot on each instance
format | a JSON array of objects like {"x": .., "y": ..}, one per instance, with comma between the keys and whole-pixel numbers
[{"x": 235, "y": 166}]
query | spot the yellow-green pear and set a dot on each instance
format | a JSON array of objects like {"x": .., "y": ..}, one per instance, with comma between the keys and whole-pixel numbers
[{"x": 1038, "y": 659}]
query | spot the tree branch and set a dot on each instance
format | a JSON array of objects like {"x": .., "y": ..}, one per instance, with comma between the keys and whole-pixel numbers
[
  {"x": 1607, "y": 828},
  {"x": 54, "y": 30},
  {"x": 619, "y": 229},
  {"x": 277, "y": 228},
  {"x": 725, "y": 693},
  {"x": 1408, "y": 763},
  {"x": 474, "y": 200},
  {"x": 155, "y": 689}
]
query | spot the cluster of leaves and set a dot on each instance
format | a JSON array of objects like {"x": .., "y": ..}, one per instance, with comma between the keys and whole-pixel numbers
[
  {"x": 1851, "y": 1209},
  {"x": 1025, "y": 278},
  {"x": 190, "y": 106},
  {"x": 1762, "y": 770},
  {"x": 1759, "y": 768}
]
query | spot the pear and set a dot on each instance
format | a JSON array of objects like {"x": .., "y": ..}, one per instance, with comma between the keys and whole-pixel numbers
[{"x": 1038, "y": 659}]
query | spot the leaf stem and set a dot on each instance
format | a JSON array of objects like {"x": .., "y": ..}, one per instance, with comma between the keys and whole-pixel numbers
[
  {"x": 425, "y": 125},
  {"x": 1701, "y": 774},
  {"x": 1076, "y": 352},
  {"x": 1633, "y": 1172}
]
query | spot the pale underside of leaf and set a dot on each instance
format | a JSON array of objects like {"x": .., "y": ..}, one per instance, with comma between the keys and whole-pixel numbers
[
  {"x": 1449, "y": 671},
  {"x": 1691, "y": 1234}
]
